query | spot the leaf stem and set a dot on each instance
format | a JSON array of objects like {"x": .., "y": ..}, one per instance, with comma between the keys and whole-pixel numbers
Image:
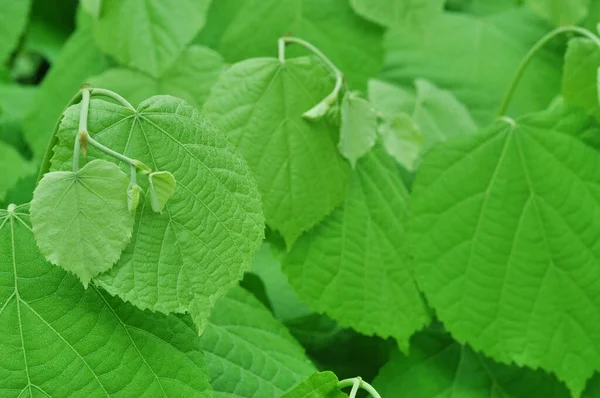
[
  {"x": 362, "y": 384},
  {"x": 322, "y": 106},
  {"x": 83, "y": 119},
  {"x": 108, "y": 151},
  {"x": 531, "y": 54},
  {"x": 110, "y": 94}
]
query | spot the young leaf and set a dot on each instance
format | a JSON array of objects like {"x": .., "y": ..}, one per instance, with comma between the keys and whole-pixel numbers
[
  {"x": 417, "y": 14},
  {"x": 81, "y": 220},
  {"x": 580, "y": 78},
  {"x": 402, "y": 139},
  {"x": 505, "y": 244},
  {"x": 259, "y": 103},
  {"x": 59, "y": 340},
  {"x": 133, "y": 196},
  {"x": 437, "y": 364},
  {"x": 561, "y": 12},
  {"x": 13, "y": 20},
  {"x": 248, "y": 352},
  {"x": 161, "y": 188},
  {"x": 358, "y": 131},
  {"x": 135, "y": 31},
  {"x": 12, "y": 169},
  {"x": 200, "y": 246},
  {"x": 318, "y": 385},
  {"x": 353, "y": 266}
]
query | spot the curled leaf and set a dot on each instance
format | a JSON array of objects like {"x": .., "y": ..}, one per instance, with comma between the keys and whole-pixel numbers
[{"x": 162, "y": 187}]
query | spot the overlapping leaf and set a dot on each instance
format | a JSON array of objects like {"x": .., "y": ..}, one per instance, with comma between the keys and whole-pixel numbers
[
  {"x": 358, "y": 130},
  {"x": 505, "y": 243},
  {"x": 416, "y": 14},
  {"x": 58, "y": 339},
  {"x": 199, "y": 247},
  {"x": 13, "y": 19},
  {"x": 318, "y": 385},
  {"x": 259, "y": 103}
]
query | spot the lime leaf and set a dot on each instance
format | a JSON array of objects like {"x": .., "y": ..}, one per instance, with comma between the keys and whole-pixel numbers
[
  {"x": 13, "y": 168},
  {"x": 13, "y": 19},
  {"x": 504, "y": 244},
  {"x": 258, "y": 24},
  {"x": 437, "y": 364},
  {"x": 477, "y": 58},
  {"x": 200, "y": 246},
  {"x": 402, "y": 139},
  {"x": 248, "y": 352},
  {"x": 149, "y": 36},
  {"x": 81, "y": 220},
  {"x": 353, "y": 266},
  {"x": 358, "y": 131},
  {"x": 133, "y": 196},
  {"x": 161, "y": 188},
  {"x": 190, "y": 78},
  {"x": 560, "y": 12},
  {"x": 89, "y": 343},
  {"x": 417, "y": 14},
  {"x": 580, "y": 78},
  {"x": 318, "y": 385},
  {"x": 300, "y": 174}
]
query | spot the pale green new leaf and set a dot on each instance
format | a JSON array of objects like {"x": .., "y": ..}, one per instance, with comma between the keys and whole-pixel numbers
[
  {"x": 505, "y": 244},
  {"x": 300, "y": 174},
  {"x": 390, "y": 99},
  {"x": 318, "y": 385},
  {"x": 12, "y": 168},
  {"x": 59, "y": 340},
  {"x": 81, "y": 220},
  {"x": 161, "y": 186},
  {"x": 148, "y": 35},
  {"x": 476, "y": 58},
  {"x": 133, "y": 196},
  {"x": 353, "y": 266},
  {"x": 580, "y": 78},
  {"x": 248, "y": 352},
  {"x": 417, "y": 14},
  {"x": 561, "y": 12},
  {"x": 13, "y": 20},
  {"x": 439, "y": 367},
  {"x": 358, "y": 130},
  {"x": 185, "y": 258},
  {"x": 190, "y": 78},
  {"x": 402, "y": 139}
]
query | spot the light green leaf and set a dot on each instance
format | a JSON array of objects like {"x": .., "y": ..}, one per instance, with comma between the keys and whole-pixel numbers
[
  {"x": 353, "y": 266},
  {"x": 190, "y": 78},
  {"x": 133, "y": 196},
  {"x": 13, "y": 19},
  {"x": 580, "y": 78},
  {"x": 505, "y": 246},
  {"x": 81, "y": 220},
  {"x": 318, "y": 385},
  {"x": 259, "y": 103},
  {"x": 358, "y": 131},
  {"x": 148, "y": 35},
  {"x": 12, "y": 168},
  {"x": 477, "y": 58},
  {"x": 161, "y": 186},
  {"x": 59, "y": 340},
  {"x": 351, "y": 43},
  {"x": 402, "y": 139},
  {"x": 416, "y": 14},
  {"x": 439, "y": 367},
  {"x": 390, "y": 99},
  {"x": 184, "y": 259},
  {"x": 248, "y": 352},
  {"x": 92, "y": 7},
  {"x": 79, "y": 59},
  {"x": 560, "y": 12},
  {"x": 482, "y": 7}
]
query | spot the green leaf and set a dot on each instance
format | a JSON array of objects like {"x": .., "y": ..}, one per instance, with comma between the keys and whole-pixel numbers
[
  {"x": 505, "y": 246},
  {"x": 184, "y": 259},
  {"x": 13, "y": 19},
  {"x": 417, "y": 14},
  {"x": 190, "y": 78},
  {"x": 318, "y": 385},
  {"x": 81, "y": 220},
  {"x": 560, "y": 12},
  {"x": 59, "y": 340},
  {"x": 390, "y": 99},
  {"x": 259, "y": 103},
  {"x": 248, "y": 352},
  {"x": 133, "y": 196},
  {"x": 580, "y": 78},
  {"x": 161, "y": 188},
  {"x": 477, "y": 58},
  {"x": 353, "y": 266},
  {"x": 148, "y": 35},
  {"x": 358, "y": 131},
  {"x": 402, "y": 139},
  {"x": 440, "y": 367},
  {"x": 13, "y": 168},
  {"x": 351, "y": 43}
]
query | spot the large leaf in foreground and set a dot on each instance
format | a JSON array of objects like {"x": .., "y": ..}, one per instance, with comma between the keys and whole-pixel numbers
[
  {"x": 248, "y": 352},
  {"x": 439, "y": 367},
  {"x": 259, "y": 103},
  {"x": 81, "y": 220},
  {"x": 13, "y": 20},
  {"x": 199, "y": 247},
  {"x": 506, "y": 244},
  {"x": 353, "y": 266},
  {"x": 57, "y": 339}
]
